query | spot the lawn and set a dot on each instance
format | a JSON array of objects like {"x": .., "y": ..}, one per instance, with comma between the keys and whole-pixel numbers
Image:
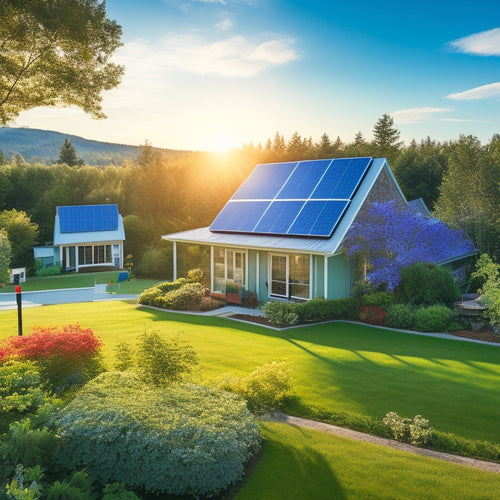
[
  {"x": 81, "y": 280},
  {"x": 337, "y": 367},
  {"x": 302, "y": 464}
]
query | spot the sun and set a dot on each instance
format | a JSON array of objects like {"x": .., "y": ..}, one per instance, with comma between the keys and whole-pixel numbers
[{"x": 220, "y": 142}]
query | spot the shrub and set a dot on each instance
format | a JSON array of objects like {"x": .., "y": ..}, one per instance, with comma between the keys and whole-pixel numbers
[
  {"x": 433, "y": 318},
  {"x": 49, "y": 271},
  {"x": 66, "y": 355},
  {"x": 161, "y": 361},
  {"x": 118, "y": 491},
  {"x": 416, "y": 431},
  {"x": 180, "y": 440},
  {"x": 20, "y": 392},
  {"x": 424, "y": 283},
  {"x": 169, "y": 286},
  {"x": 186, "y": 298},
  {"x": 400, "y": 316},
  {"x": 381, "y": 299},
  {"x": 280, "y": 313},
  {"x": 265, "y": 388},
  {"x": 327, "y": 310},
  {"x": 374, "y": 315},
  {"x": 124, "y": 357},
  {"x": 26, "y": 483},
  {"x": 198, "y": 276},
  {"x": 79, "y": 487}
]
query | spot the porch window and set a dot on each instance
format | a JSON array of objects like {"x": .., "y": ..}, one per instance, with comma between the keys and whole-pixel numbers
[
  {"x": 229, "y": 265},
  {"x": 290, "y": 276},
  {"x": 94, "y": 254}
]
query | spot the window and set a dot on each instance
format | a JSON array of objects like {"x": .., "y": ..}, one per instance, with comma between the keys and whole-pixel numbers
[
  {"x": 94, "y": 254},
  {"x": 290, "y": 276},
  {"x": 229, "y": 265}
]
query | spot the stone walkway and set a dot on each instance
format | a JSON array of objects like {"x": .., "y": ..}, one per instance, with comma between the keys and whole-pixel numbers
[{"x": 368, "y": 438}]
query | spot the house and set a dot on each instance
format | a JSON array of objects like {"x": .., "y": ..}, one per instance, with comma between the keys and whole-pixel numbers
[
  {"x": 281, "y": 233},
  {"x": 85, "y": 236}
]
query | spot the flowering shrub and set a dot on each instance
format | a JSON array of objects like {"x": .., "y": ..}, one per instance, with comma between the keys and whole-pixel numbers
[
  {"x": 374, "y": 315},
  {"x": 180, "y": 440},
  {"x": 416, "y": 431},
  {"x": 66, "y": 355}
]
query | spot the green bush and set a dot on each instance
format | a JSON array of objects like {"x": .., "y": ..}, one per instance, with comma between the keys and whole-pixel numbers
[
  {"x": 161, "y": 361},
  {"x": 416, "y": 431},
  {"x": 118, "y": 491},
  {"x": 169, "y": 286},
  {"x": 433, "y": 319},
  {"x": 180, "y": 440},
  {"x": 280, "y": 313},
  {"x": 49, "y": 271},
  {"x": 424, "y": 283},
  {"x": 186, "y": 298},
  {"x": 327, "y": 310},
  {"x": 380, "y": 299},
  {"x": 400, "y": 316},
  {"x": 124, "y": 355},
  {"x": 458, "y": 445},
  {"x": 265, "y": 388}
]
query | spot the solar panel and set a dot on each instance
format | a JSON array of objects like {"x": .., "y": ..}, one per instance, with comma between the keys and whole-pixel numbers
[
  {"x": 87, "y": 218},
  {"x": 306, "y": 198}
]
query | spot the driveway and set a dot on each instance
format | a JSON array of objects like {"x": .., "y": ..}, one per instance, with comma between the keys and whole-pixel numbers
[{"x": 62, "y": 296}]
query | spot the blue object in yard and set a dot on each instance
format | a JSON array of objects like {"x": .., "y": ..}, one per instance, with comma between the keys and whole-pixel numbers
[{"x": 122, "y": 276}]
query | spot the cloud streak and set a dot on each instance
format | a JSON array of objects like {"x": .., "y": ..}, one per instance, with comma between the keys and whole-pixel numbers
[
  {"x": 485, "y": 43},
  {"x": 236, "y": 56},
  {"x": 415, "y": 115},
  {"x": 482, "y": 92}
]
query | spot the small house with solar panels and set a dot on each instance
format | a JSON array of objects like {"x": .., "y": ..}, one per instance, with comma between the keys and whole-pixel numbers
[
  {"x": 85, "y": 236},
  {"x": 281, "y": 233}
]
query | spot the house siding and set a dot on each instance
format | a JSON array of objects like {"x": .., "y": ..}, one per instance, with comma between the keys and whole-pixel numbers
[{"x": 339, "y": 277}]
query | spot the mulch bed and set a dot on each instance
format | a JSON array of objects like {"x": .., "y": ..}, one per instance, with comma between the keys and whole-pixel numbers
[{"x": 488, "y": 336}]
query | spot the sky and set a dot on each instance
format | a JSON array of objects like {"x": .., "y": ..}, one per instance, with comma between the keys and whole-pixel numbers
[{"x": 211, "y": 74}]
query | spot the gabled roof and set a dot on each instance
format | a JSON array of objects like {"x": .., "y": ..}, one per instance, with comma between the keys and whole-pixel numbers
[
  {"x": 87, "y": 223},
  {"x": 316, "y": 245}
]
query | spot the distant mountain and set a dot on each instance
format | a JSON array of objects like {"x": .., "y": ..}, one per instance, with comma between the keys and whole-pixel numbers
[{"x": 43, "y": 146}]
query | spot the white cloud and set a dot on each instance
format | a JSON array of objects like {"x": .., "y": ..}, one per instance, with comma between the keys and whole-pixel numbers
[
  {"x": 235, "y": 56},
  {"x": 483, "y": 92},
  {"x": 414, "y": 115},
  {"x": 225, "y": 24},
  {"x": 485, "y": 43}
]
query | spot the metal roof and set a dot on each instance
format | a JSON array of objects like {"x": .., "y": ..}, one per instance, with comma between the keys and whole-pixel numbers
[
  {"x": 87, "y": 225},
  {"x": 323, "y": 246}
]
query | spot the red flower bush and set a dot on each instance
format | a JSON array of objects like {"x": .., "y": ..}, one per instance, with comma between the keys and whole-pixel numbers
[
  {"x": 66, "y": 354},
  {"x": 374, "y": 315}
]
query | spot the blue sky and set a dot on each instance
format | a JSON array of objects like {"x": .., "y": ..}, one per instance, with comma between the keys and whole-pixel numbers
[{"x": 205, "y": 74}]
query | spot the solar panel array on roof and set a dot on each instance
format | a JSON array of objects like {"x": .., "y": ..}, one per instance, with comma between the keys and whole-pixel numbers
[
  {"x": 306, "y": 198},
  {"x": 86, "y": 218}
]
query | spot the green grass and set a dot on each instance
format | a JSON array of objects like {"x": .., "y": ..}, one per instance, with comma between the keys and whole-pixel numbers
[
  {"x": 302, "y": 464},
  {"x": 81, "y": 280},
  {"x": 337, "y": 367}
]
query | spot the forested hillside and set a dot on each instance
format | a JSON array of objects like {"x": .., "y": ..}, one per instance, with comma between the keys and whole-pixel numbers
[
  {"x": 43, "y": 146},
  {"x": 158, "y": 193}
]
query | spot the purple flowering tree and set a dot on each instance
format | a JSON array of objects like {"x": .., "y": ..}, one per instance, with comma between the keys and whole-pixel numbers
[{"x": 391, "y": 239}]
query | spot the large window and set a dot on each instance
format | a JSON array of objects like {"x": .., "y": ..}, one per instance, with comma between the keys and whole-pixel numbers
[
  {"x": 94, "y": 254},
  {"x": 229, "y": 265},
  {"x": 290, "y": 276}
]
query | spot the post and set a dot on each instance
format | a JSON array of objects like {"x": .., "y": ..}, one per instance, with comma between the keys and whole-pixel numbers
[{"x": 19, "y": 311}]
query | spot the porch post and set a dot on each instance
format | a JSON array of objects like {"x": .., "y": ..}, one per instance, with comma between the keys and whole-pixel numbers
[
  {"x": 174, "y": 255},
  {"x": 257, "y": 275},
  {"x": 212, "y": 279},
  {"x": 325, "y": 271},
  {"x": 77, "y": 263}
]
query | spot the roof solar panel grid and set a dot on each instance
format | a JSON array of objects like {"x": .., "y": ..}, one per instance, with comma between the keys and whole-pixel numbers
[
  {"x": 318, "y": 218},
  {"x": 342, "y": 178},
  {"x": 304, "y": 179},
  {"x": 87, "y": 218},
  {"x": 239, "y": 216},
  {"x": 265, "y": 181},
  {"x": 278, "y": 217}
]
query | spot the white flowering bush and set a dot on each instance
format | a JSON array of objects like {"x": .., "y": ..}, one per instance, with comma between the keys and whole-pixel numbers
[
  {"x": 181, "y": 440},
  {"x": 416, "y": 431}
]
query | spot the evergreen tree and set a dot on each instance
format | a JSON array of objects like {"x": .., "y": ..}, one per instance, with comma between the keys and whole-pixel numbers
[
  {"x": 5, "y": 256},
  {"x": 67, "y": 155},
  {"x": 386, "y": 138}
]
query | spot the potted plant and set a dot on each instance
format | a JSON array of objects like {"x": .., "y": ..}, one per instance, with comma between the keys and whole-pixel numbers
[{"x": 233, "y": 293}]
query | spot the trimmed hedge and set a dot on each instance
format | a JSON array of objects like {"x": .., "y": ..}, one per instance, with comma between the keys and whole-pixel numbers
[
  {"x": 326, "y": 310},
  {"x": 180, "y": 440}
]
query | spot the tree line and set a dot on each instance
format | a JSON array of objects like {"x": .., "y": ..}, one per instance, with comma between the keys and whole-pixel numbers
[{"x": 159, "y": 194}]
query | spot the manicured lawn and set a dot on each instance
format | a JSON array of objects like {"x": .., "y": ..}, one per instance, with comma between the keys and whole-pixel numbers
[
  {"x": 337, "y": 367},
  {"x": 80, "y": 280},
  {"x": 303, "y": 464}
]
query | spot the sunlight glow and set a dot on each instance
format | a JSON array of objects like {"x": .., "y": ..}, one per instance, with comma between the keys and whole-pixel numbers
[{"x": 220, "y": 142}]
